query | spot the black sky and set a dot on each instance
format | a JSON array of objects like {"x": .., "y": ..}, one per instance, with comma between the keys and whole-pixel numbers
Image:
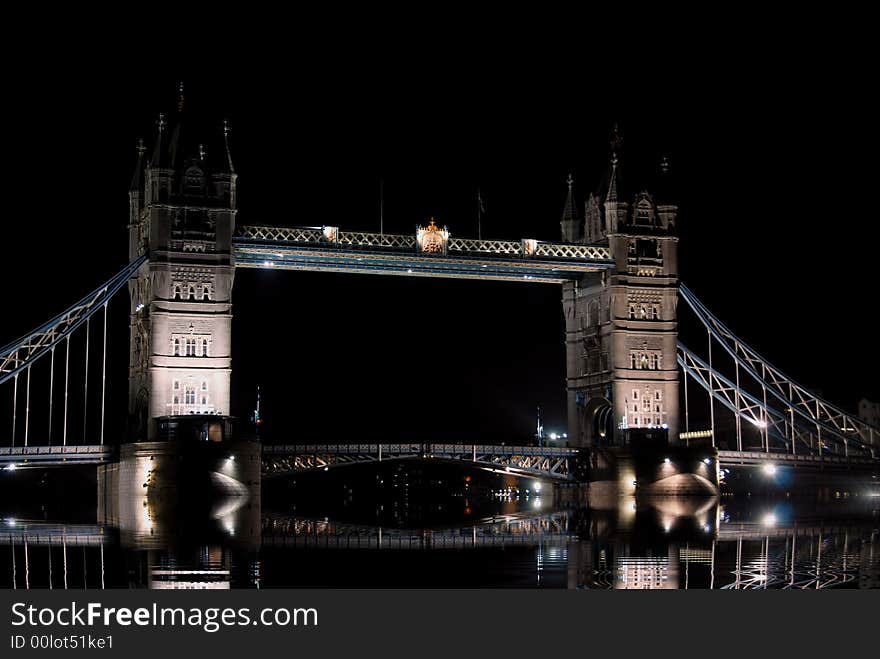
[{"x": 770, "y": 144}]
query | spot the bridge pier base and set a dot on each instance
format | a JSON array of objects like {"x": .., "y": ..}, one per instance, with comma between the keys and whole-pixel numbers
[
  {"x": 653, "y": 470},
  {"x": 161, "y": 492}
]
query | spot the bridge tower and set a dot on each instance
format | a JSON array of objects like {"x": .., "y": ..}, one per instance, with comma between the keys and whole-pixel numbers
[
  {"x": 621, "y": 331},
  {"x": 182, "y": 215}
]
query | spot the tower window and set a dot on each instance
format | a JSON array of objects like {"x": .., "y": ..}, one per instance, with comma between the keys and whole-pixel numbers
[
  {"x": 190, "y": 347},
  {"x": 176, "y": 385},
  {"x": 190, "y": 395},
  {"x": 176, "y": 352},
  {"x": 204, "y": 385}
]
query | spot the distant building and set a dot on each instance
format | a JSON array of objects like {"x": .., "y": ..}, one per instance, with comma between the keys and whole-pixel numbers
[{"x": 869, "y": 412}]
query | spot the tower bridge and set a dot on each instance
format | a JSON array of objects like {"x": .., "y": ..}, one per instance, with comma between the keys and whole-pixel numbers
[{"x": 616, "y": 263}]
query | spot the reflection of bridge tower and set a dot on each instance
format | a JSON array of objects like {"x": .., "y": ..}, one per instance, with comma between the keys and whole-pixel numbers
[
  {"x": 622, "y": 374},
  {"x": 182, "y": 214}
]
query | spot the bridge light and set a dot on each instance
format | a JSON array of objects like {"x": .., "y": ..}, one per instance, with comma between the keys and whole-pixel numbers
[
  {"x": 231, "y": 458},
  {"x": 769, "y": 520},
  {"x": 553, "y": 435},
  {"x": 707, "y": 461},
  {"x": 12, "y": 467},
  {"x": 537, "y": 486},
  {"x": 139, "y": 307},
  {"x": 667, "y": 460},
  {"x": 758, "y": 423},
  {"x": 769, "y": 469},
  {"x": 268, "y": 264},
  {"x": 10, "y": 521}
]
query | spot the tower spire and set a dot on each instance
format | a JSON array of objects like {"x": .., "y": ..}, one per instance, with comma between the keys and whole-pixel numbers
[
  {"x": 570, "y": 221},
  {"x": 139, "y": 167},
  {"x": 226, "y": 145},
  {"x": 616, "y": 142}
]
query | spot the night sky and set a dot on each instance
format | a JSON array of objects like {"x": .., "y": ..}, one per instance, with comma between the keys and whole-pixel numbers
[{"x": 779, "y": 227}]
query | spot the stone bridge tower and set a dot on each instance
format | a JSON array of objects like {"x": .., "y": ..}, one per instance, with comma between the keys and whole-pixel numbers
[
  {"x": 621, "y": 329},
  {"x": 182, "y": 215}
]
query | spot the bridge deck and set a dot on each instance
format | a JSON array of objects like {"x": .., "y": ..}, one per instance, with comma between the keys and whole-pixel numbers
[
  {"x": 753, "y": 458},
  {"x": 307, "y": 248},
  {"x": 41, "y": 456}
]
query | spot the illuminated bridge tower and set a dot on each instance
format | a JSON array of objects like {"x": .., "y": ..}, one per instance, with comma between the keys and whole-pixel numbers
[
  {"x": 621, "y": 332},
  {"x": 182, "y": 214}
]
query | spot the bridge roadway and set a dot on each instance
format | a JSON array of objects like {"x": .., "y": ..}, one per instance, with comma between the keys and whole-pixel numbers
[
  {"x": 544, "y": 462},
  {"x": 328, "y": 249}
]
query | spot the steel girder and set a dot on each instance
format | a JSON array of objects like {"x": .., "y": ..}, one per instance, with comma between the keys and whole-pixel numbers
[
  {"x": 18, "y": 355},
  {"x": 831, "y": 423},
  {"x": 546, "y": 462}
]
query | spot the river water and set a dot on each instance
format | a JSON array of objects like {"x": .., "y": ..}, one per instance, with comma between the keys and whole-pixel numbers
[{"x": 310, "y": 535}]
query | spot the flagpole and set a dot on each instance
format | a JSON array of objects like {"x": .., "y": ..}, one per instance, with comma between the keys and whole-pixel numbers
[{"x": 479, "y": 214}]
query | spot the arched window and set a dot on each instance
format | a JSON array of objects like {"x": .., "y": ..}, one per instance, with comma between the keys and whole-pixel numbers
[
  {"x": 176, "y": 351},
  {"x": 642, "y": 313},
  {"x": 190, "y": 347},
  {"x": 643, "y": 361},
  {"x": 632, "y": 360},
  {"x": 205, "y": 294},
  {"x": 204, "y": 400},
  {"x": 176, "y": 400},
  {"x": 190, "y": 395},
  {"x": 177, "y": 292},
  {"x": 204, "y": 385},
  {"x": 192, "y": 293}
]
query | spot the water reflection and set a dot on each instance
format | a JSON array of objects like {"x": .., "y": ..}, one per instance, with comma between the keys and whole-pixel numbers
[{"x": 656, "y": 544}]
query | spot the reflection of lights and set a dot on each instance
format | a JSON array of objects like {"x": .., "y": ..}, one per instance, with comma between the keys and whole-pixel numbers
[
  {"x": 537, "y": 502},
  {"x": 769, "y": 520},
  {"x": 769, "y": 469},
  {"x": 12, "y": 467}
]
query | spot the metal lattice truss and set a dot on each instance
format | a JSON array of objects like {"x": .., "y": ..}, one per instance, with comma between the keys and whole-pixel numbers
[
  {"x": 18, "y": 355},
  {"x": 789, "y": 412},
  {"x": 546, "y": 462},
  {"x": 329, "y": 249},
  {"x": 362, "y": 239}
]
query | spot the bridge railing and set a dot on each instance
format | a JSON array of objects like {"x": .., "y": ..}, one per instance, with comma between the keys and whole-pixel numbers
[{"x": 332, "y": 238}]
